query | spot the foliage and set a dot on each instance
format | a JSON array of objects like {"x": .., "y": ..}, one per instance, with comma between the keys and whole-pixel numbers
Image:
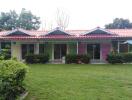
[
  {"x": 114, "y": 58},
  {"x": 119, "y": 23},
  {"x": 36, "y": 58},
  {"x": 14, "y": 58},
  {"x": 5, "y": 54},
  {"x": 77, "y": 58},
  {"x": 127, "y": 57},
  {"x": 12, "y": 20},
  {"x": 12, "y": 74}
]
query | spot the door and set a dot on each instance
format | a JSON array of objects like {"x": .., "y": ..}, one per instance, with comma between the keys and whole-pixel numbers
[
  {"x": 59, "y": 51},
  {"x": 93, "y": 50}
]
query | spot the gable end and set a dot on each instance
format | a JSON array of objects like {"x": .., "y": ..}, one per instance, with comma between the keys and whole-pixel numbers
[
  {"x": 98, "y": 31},
  {"x": 17, "y": 33}
]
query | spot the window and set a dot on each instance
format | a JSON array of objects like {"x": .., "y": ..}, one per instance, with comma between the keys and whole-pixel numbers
[
  {"x": 123, "y": 48},
  {"x": 5, "y": 45},
  {"x": 93, "y": 50},
  {"x": 27, "y": 49},
  {"x": 41, "y": 48},
  {"x": 6, "y": 49}
]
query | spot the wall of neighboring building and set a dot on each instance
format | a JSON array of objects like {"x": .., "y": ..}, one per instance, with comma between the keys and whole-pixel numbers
[{"x": 16, "y": 50}]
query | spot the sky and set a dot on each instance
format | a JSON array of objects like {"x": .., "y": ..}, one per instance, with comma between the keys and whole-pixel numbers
[{"x": 83, "y": 14}]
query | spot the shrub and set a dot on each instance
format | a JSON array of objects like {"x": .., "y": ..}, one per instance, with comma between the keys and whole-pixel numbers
[
  {"x": 36, "y": 58},
  {"x": 14, "y": 58},
  {"x": 115, "y": 58},
  {"x": 29, "y": 58},
  {"x": 77, "y": 59},
  {"x": 12, "y": 74},
  {"x": 85, "y": 59},
  {"x": 71, "y": 58},
  {"x": 5, "y": 54},
  {"x": 127, "y": 57},
  {"x": 43, "y": 58}
]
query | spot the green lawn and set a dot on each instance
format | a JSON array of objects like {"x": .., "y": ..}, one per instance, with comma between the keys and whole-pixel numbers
[{"x": 79, "y": 82}]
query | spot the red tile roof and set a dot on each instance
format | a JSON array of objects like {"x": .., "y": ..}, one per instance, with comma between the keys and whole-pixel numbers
[{"x": 74, "y": 34}]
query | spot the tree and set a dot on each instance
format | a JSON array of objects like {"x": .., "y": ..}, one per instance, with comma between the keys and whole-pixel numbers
[
  {"x": 28, "y": 21},
  {"x": 25, "y": 20},
  {"x": 8, "y": 21},
  {"x": 119, "y": 23},
  {"x": 62, "y": 19}
]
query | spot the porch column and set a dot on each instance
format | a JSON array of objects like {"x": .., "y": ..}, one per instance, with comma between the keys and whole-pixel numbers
[
  {"x": 0, "y": 46},
  {"x": 52, "y": 50},
  {"x": 77, "y": 47},
  {"x": 36, "y": 48},
  {"x": 128, "y": 48},
  {"x": 118, "y": 49},
  {"x": 16, "y": 50}
]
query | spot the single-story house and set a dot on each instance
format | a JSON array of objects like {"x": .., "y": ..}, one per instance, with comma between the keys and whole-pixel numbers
[{"x": 58, "y": 43}]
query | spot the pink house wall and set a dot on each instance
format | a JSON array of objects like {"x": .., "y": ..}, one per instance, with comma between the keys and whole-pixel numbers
[
  {"x": 82, "y": 47},
  {"x": 105, "y": 49}
]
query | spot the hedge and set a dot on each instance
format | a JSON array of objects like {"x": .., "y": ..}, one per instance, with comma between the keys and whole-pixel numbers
[
  {"x": 36, "y": 58},
  {"x": 115, "y": 58},
  {"x": 77, "y": 59},
  {"x": 127, "y": 57},
  {"x": 12, "y": 75}
]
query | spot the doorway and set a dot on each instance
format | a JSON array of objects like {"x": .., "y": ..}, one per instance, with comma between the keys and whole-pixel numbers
[
  {"x": 94, "y": 51},
  {"x": 59, "y": 51}
]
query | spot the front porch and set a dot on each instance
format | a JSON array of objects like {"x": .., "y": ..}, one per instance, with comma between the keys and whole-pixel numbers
[{"x": 57, "y": 50}]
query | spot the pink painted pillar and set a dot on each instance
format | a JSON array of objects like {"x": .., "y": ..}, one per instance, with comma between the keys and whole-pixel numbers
[
  {"x": 105, "y": 50},
  {"x": 82, "y": 47}
]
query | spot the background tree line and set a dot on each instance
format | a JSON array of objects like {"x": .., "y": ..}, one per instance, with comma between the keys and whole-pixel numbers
[
  {"x": 28, "y": 21},
  {"x": 25, "y": 20},
  {"x": 119, "y": 23}
]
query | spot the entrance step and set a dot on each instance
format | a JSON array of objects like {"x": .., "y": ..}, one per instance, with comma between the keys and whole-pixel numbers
[
  {"x": 58, "y": 61},
  {"x": 96, "y": 61}
]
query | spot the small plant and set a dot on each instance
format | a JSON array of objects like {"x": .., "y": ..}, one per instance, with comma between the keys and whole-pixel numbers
[
  {"x": 37, "y": 58},
  {"x": 14, "y": 58},
  {"x": 78, "y": 59},
  {"x": 115, "y": 58},
  {"x": 127, "y": 57},
  {"x": 5, "y": 54}
]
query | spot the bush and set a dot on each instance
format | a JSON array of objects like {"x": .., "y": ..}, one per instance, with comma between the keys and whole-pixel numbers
[
  {"x": 77, "y": 59},
  {"x": 5, "y": 54},
  {"x": 114, "y": 58},
  {"x": 37, "y": 58},
  {"x": 71, "y": 59},
  {"x": 12, "y": 74},
  {"x": 127, "y": 57}
]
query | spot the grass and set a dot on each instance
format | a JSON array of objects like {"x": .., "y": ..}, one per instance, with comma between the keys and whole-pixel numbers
[{"x": 79, "y": 82}]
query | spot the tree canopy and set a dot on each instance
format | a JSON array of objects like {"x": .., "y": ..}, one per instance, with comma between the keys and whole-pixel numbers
[
  {"x": 119, "y": 23},
  {"x": 25, "y": 20}
]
